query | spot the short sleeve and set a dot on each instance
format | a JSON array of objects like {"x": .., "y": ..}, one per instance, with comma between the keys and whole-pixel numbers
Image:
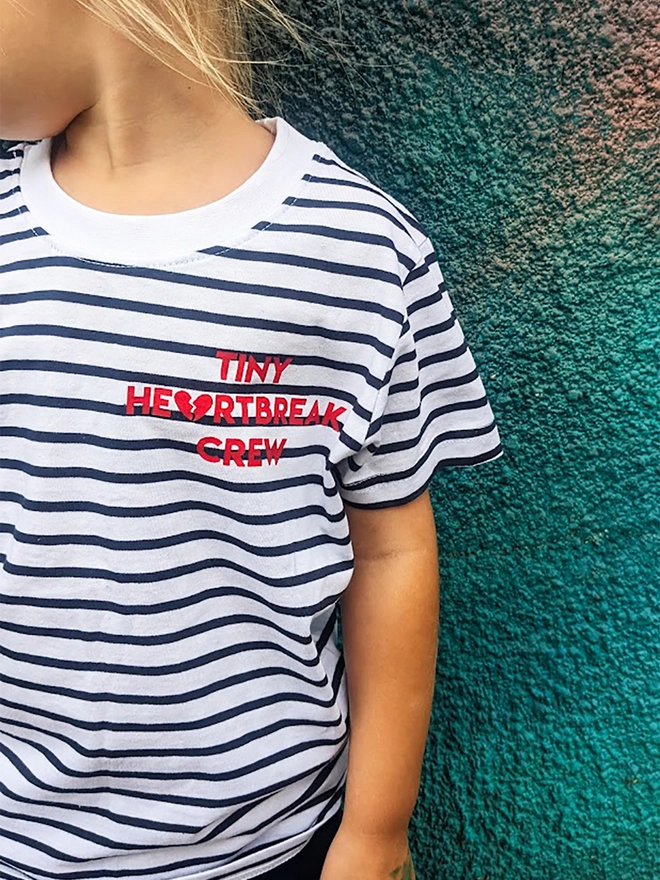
[{"x": 431, "y": 410}]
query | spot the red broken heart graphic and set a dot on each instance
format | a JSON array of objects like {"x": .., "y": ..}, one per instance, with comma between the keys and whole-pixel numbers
[{"x": 193, "y": 409}]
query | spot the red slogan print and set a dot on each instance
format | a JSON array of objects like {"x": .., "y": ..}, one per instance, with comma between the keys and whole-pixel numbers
[{"x": 238, "y": 409}]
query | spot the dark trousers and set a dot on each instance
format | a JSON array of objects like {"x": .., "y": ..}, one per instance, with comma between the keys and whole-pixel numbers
[{"x": 308, "y": 863}]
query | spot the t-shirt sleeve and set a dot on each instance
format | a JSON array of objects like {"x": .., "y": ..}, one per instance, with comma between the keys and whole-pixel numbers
[{"x": 431, "y": 410}]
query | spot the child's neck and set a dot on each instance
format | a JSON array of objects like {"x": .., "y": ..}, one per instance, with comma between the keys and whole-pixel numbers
[{"x": 136, "y": 154}]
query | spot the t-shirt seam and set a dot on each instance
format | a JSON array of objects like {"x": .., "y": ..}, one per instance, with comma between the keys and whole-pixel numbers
[
  {"x": 390, "y": 364},
  {"x": 48, "y": 241}
]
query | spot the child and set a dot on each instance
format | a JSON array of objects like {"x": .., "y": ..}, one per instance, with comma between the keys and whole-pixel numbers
[{"x": 230, "y": 368}]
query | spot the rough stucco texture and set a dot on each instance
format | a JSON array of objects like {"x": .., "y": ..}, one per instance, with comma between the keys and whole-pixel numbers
[{"x": 524, "y": 136}]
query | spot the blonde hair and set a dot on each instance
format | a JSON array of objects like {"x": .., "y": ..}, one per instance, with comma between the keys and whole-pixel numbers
[{"x": 216, "y": 36}]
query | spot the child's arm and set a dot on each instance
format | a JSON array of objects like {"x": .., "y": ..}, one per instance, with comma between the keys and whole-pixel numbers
[{"x": 390, "y": 631}]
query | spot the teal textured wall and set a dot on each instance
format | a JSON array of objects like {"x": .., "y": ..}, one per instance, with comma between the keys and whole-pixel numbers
[{"x": 525, "y": 137}]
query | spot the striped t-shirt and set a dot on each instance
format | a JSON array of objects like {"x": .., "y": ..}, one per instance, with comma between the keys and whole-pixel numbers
[{"x": 187, "y": 401}]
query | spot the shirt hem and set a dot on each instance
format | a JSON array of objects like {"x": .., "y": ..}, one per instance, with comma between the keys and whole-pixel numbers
[{"x": 471, "y": 461}]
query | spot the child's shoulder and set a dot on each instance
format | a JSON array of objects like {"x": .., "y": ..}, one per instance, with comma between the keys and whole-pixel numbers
[{"x": 356, "y": 198}]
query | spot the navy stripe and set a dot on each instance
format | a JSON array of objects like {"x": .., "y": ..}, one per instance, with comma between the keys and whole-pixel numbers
[
  {"x": 171, "y": 345},
  {"x": 413, "y": 414},
  {"x": 134, "y": 821},
  {"x": 163, "y": 476},
  {"x": 222, "y": 284},
  {"x": 443, "y": 356},
  {"x": 13, "y": 213},
  {"x": 187, "y": 752},
  {"x": 453, "y": 382},
  {"x": 319, "y": 265},
  {"x": 334, "y": 181},
  {"x": 176, "y": 726},
  {"x": 338, "y": 235},
  {"x": 395, "y": 501},
  {"x": 422, "y": 269},
  {"x": 170, "y": 699},
  {"x": 36, "y": 844},
  {"x": 435, "y": 329},
  {"x": 166, "y": 638},
  {"x": 348, "y": 206},
  {"x": 10, "y": 192},
  {"x": 178, "y": 799},
  {"x": 404, "y": 387},
  {"x": 172, "y": 541},
  {"x": 127, "y": 609},
  {"x": 324, "y": 772},
  {"x": 324, "y": 160},
  {"x": 21, "y": 235},
  {"x": 269, "y": 324},
  {"x": 52, "y": 507},
  {"x": 290, "y": 452},
  {"x": 430, "y": 300},
  {"x": 303, "y": 799},
  {"x": 75, "y": 831},
  {"x": 178, "y": 571},
  {"x": 412, "y": 442}
]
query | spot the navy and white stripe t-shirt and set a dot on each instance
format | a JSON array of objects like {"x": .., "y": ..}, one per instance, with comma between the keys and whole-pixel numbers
[{"x": 187, "y": 401}]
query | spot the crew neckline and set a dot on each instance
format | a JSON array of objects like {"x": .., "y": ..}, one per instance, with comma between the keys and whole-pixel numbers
[{"x": 79, "y": 230}]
